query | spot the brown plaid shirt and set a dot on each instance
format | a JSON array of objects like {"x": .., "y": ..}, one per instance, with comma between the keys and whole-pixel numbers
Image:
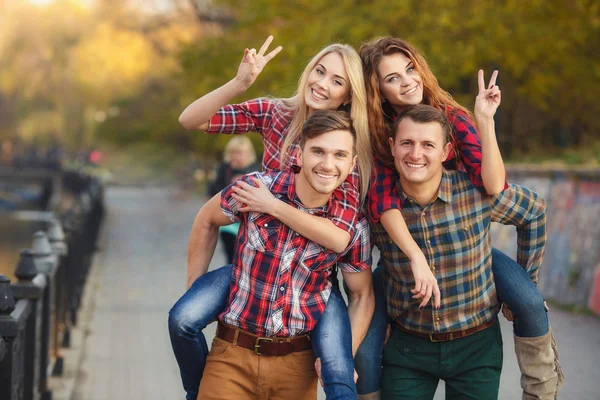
[{"x": 453, "y": 232}]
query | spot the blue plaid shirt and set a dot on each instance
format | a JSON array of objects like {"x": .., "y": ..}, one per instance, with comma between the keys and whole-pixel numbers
[{"x": 453, "y": 231}]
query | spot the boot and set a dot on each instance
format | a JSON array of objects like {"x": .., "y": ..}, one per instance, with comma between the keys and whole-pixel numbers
[
  {"x": 541, "y": 375},
  {"x": 371, "y": 396}
]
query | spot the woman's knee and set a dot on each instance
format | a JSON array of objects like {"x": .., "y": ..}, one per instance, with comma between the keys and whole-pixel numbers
[{"x": 183, "y": 320}]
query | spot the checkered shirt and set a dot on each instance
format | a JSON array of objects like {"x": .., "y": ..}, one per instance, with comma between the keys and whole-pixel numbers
[
  {"x": 271, "y": 120},
  {"x": 280, "y": 280},
  {"x": 453, "y": 231}
]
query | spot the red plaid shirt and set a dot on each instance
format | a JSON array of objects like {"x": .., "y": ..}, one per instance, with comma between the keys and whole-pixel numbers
[
  {"x": 383, "y": 194},
  {"x": 280, "y": 280},
  {"x": 271, "y": 120}
]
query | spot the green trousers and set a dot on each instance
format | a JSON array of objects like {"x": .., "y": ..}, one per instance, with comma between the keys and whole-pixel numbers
[{"x": 471, "y": 366}]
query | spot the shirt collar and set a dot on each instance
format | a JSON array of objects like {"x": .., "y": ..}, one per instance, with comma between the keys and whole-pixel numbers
[
  {"x": 285, "y": 186},
  {"x": 445, "y": 192}
]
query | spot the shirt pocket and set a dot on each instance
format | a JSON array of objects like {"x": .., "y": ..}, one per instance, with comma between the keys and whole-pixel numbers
[
  {"x": 263, "y": 232},
  {"x": 460, "y": 237},
  {"x": 316, "y": 258}
]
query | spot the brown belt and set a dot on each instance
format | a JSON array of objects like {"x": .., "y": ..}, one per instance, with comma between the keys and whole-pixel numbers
[
  {"x": 445, "y": 337},
  {"x": 263, "y": 346}
]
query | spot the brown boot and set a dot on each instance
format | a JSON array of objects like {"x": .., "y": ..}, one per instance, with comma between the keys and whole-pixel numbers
[
  {"x": 371, "y": 396},
  {"x": 541, "y": 375}
]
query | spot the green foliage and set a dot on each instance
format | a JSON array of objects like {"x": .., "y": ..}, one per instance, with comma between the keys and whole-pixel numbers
[
  {"x": 117, "y": 75},
  {"x": 546, "y": 51}
]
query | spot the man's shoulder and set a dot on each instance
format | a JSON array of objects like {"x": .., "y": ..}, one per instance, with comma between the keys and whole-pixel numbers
[
  {"x": 271, "y": 178},
  {"x": 460, "y": 183}
]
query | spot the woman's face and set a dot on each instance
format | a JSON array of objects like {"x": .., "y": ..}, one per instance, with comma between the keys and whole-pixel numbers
[
  {"x": 328, "y": 85},
  {"x": 399, "y": 81}
]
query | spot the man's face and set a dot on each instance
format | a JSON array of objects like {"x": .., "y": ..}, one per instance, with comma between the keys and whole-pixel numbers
[
  {"x": 327, "y": 160},
  {"x": 419, "y": 150}
]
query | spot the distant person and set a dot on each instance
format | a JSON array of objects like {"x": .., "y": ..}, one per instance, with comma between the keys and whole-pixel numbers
[{"x": 239, "y": 159}]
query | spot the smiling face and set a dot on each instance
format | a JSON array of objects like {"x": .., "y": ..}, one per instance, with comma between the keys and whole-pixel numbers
[
  {"x": 419, "y": 150},
  {"x": 328, "y": 86},
  {"x": 399, "y": 82},
  {"x": 326, "y": 161}
]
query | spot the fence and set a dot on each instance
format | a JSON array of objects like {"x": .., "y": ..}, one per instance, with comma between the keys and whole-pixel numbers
[{"x": 38, "y": 311}]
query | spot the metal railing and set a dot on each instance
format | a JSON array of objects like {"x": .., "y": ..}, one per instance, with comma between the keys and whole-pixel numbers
[{"x": 38, "y": 311}]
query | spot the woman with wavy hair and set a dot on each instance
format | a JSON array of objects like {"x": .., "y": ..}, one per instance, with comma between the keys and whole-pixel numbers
[
  {"x": 332, "y": 80},
  {"x": 398, "y": 76}
]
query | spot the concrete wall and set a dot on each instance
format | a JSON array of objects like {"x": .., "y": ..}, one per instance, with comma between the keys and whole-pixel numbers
[{"x": 570, "y": 273}]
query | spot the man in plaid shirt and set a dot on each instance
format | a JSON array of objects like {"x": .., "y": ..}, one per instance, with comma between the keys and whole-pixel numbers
[
  {"x": 459, "y": 342},
  {"x": 280, "y": 282}
]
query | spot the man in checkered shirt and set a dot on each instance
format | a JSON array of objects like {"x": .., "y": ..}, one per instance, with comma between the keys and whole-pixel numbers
[
  {"x": 459, "y": 342},
  {"x": 280, "y": 281}
]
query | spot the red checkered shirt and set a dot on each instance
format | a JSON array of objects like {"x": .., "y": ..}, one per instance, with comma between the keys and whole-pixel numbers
[
  {"x": 383, "y": 194},
  {"x": 280, "y": 280},
  {"x": 271, "y": 120}
]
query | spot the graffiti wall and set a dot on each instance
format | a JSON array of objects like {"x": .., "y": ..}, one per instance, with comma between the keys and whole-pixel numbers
[{"x": 570, "y": 274}]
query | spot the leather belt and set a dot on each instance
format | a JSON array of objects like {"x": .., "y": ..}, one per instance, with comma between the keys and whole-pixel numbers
[
  {"x": 264, "y": 346},
  {"x": 447, "y": 336}
]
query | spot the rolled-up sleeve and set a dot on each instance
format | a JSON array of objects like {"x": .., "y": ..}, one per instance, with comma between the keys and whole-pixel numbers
[{"x": 358, "y": 257}]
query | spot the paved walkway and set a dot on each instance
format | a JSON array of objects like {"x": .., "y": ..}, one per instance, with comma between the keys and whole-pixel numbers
[{"x": 141, "y": 271}]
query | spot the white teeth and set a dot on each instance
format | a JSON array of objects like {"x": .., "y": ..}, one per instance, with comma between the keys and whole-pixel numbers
[
  {"x": 317, "y": 95},
  {"x": 324, "y": 176},
  {"x": 411, "y": 91},
  {"x": 415, "y": 165}
]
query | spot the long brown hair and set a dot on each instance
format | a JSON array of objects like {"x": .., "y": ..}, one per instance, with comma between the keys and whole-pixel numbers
[{"x": 381, "y": 113}]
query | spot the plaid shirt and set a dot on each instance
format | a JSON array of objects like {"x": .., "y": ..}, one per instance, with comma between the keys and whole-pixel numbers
[
  {"x": 453, "y": 231},
  {"x": 383, "y": 195},
  {"x": 280, "y": 280},
  {"x": 271, "y": 120}
]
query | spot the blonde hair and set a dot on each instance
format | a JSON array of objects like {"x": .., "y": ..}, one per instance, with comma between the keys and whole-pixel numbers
[
  {"x": 240, "y": 143},
  {"x": 358, "y": 110}
]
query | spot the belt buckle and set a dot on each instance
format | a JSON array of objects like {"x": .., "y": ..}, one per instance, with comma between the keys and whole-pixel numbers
[
  {"x": 451, "y": 337},
  {"x": 257, "y": 343},
  {"x": 432, "y": 339}
]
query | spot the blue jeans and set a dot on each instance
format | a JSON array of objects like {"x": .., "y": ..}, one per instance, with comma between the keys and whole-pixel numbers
[
  {"x": 207, "y": 298},
  {"x": 513, "y": 287},
  {"x": 198, "y": 307}
]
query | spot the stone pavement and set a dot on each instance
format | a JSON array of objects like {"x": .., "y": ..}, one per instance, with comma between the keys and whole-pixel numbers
[{"x": 140, "y": 272}]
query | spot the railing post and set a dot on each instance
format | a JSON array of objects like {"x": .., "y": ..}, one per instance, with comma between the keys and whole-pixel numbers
[
  {"x": 13, "y": 322},
  {"x": 61, "y": 325},
  {"x": 7, "y": 305},
  {"x": 30, "y": 287},
  {"x": 46, "y": 263}
]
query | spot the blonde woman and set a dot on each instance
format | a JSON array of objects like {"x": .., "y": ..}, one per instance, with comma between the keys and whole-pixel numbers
[{"x": 332, "y": 80}]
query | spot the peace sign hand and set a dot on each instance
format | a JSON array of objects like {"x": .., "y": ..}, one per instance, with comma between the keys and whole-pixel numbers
[
  {"x": 487, "y": 100},
  {"x": 253, "y": 63}
]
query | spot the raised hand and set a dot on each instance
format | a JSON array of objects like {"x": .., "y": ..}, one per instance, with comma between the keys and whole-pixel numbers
[
  {"x": 253, "y": 63},
  {"x": 487, "y": 100}
]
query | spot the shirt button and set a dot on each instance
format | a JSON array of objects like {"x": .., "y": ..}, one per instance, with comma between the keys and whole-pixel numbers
[
  {"x": 438, "y": 319},
  {"x": 266, "y": 225},
  {"x": 428, "y": 241},
  {"x": 433, "y": 268},
  {"x": 281, "y": 289}
]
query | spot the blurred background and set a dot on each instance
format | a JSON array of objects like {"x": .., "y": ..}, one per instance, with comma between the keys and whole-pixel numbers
[
  {"x": 114, "y": 75},
  {"x": 91, "y": 92}
]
